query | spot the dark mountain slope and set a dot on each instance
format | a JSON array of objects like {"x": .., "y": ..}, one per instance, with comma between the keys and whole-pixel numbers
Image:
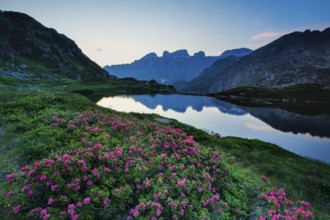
[
  {"x": 296, "y": 58},
  {"x": 203, "y": 81},
  {"x": 28, "y": 49}
]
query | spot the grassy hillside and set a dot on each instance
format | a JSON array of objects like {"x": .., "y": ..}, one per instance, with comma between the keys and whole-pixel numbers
[{"x": 64, "y": 157}]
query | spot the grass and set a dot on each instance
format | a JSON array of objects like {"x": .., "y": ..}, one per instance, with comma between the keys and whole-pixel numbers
[{"x": 24, "y": 138}]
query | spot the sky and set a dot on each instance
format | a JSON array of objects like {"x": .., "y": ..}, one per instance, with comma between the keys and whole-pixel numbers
[{"x": 121, "y": 31}]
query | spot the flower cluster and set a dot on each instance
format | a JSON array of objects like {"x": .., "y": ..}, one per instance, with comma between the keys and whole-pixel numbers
[
  {"x": 280, "y": 207},
  {"x": 122, "y": 167},
  {"x": 116, "y": 163}
]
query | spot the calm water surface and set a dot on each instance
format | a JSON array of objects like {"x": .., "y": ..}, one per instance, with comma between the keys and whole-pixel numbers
[{"x": 305, "y": 135}]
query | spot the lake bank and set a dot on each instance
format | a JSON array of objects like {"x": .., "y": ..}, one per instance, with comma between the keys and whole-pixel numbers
[
  {"x": 246, "y": 159},
  {"x": 24, "y": 140}
]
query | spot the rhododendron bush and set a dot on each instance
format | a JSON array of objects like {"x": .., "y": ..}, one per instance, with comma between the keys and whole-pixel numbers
[{"x": 120, "y": 167}]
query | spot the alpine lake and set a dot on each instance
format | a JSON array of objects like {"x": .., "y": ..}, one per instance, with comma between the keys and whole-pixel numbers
[{"x": 305, "y": 135}]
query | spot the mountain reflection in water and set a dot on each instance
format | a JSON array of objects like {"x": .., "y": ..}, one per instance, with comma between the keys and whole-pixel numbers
[{"x": 307, "y": 135}]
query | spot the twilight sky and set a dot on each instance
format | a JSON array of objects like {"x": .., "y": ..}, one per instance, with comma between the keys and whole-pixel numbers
[{"x": 121, "y": 31}]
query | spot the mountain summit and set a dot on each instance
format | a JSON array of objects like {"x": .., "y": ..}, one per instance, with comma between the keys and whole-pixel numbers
[
  {"x": 170, "y": 67},
  {"x": 296, "y": 58},
  {"x": 29, "y": 49}
]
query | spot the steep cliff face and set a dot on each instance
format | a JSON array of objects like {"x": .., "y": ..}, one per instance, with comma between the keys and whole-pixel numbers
[
  {"x": 171, "y": 67},
  {"x": 28, "y": 49},
  {"x": 296, "y": 58}
]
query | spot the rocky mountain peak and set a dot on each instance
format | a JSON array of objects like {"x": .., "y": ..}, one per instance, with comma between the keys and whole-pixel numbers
[{"x": 29, "y": 49}]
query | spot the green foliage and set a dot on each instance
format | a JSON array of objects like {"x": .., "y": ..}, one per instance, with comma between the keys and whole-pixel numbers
[{"x": 27, "y": 136}]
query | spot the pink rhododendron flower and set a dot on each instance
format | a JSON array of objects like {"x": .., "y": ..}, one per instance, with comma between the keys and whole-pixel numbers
[
  {"x": 16, "y": 209},
  {"x": 89, "y": 182},
  {"x": 37, "y": 164},
  {"x": 87, "y": 200},
  {"x": 50, "y": 201},
  {"x": 74, "y": 217},
  {"x": 180, "y": 183},
  {"x": 9, "y": 194},
  {"x": 136, "y": 213}
]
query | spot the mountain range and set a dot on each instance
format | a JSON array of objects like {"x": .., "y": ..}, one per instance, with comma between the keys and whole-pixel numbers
[
  {"x": 170, "y": 67},
  {"x": 296, "y": 58},
  {"x": 30, "y": 50}
]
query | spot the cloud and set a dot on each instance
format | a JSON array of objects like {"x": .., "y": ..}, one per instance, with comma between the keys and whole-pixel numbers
[
  {"x": 258, "y": 127},
  {"x": 267, "y": 35}
]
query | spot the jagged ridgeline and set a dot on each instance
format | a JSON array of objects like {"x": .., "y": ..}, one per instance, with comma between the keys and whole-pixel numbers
[
  {"x": 171, "y": 67},
  {"x": 28, "y": 50}
]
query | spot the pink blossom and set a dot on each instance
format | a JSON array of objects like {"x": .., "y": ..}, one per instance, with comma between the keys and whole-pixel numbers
[
  {"x": 16, "y": 209},
  {"x": 30, "y": 193},
  {"x": 84, "y": 168},
  {"x": 79, "y": 204},
  {"x": 89, "y": 182},
  {"x": 9, "y": 194},
  {"x": 50, "y": 201},
  {"x": 53, "y": 187},
  {"x": 147, "y": 182},
  {"x": 87, "y": 200},
  {"x": 262, "y": 218},
  {"x": 74, "y": 217},
  {"x": 180, "y": 183},
  {"x": 71, "y": 211},
  {"x": 136, "y": 213},
  {"x": 95, "y": 172},
  {"x": 81, "y": 162},
  {"x": 158, "y": 212},
  {"x": 105, "y": 201},
  {"x": 71, "y": 206},
  {"x": 31, "y": 172},
  {"x": 43, "y": 212},
  {"x": 37, "y": 164}
]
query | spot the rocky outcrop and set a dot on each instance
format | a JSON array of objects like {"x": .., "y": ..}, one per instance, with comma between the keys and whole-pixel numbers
[
  {"x": 29, "y": 49},
  {"x": 170, "y": 67}
]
